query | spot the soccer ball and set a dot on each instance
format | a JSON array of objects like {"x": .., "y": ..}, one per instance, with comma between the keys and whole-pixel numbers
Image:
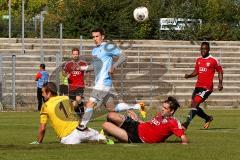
[{"x": 140, "y": 14}]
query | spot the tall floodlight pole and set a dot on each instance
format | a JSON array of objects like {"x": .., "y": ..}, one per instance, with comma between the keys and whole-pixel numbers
[
  {"x": 23, "y": 48},
  {"x": 61, "y": 41},
  {"x": 35, "y": 23},
  {"x": 9, "y": 19},
  {"x": 41, "y": 37}
]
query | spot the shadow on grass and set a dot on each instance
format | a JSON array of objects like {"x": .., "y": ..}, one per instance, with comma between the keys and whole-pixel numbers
[
  {"x": 217, "y": 129},
  {"x": 51, "y": 145},
  {"x": 177, "y": 141}
]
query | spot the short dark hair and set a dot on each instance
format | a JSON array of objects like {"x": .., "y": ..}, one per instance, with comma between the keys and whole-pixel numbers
[
  {"x": 75, "y": 49},
  {"x": 173, "y": 103},
  {"x": 100, "y": 30},
  {"x": 206, "y": 43},
  {"x": 50, "y": 87},
  {"x": 42, "y": 65}
]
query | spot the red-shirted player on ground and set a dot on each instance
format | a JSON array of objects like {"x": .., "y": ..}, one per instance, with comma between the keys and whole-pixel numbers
[
  {"x": 205, "y": 68},
  {"x": 157, "y": 130},
  {"x": 76, "y": 80}
]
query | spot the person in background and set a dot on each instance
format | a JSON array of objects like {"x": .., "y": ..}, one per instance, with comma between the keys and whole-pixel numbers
[
  {"x": 41, "y": 78},
  {"x": 76, "y": 77},
  {"x": 63, "y": 82}
]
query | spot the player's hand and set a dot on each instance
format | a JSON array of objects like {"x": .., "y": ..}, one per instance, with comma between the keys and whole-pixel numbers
[
  {"x": 186, "y": 76},
  {"x": 133, "y": 115},
  {"x": 34, "y": 142},
  {"x": 111, "y": 71},
  {"x": 220, "y": 87}
]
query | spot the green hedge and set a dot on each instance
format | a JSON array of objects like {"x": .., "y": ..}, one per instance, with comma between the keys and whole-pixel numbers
[{"x": 221, "y": 18}]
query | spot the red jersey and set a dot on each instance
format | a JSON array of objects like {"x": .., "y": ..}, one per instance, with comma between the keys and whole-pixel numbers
[
  {"x": 76, "y": 78},
  {"x": 205, "y": 68},
  {"x": 159, "y": 128}
]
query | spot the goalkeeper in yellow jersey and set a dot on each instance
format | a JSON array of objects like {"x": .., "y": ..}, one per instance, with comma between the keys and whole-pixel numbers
[{"x": 59, "y": 111}]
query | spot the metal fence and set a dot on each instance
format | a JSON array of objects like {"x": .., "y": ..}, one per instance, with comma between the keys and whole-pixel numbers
[
  {"x": 145, "y": 76},
  {"x": 33, "y": 28},
  {"x": 18, "y": 88},
  {"x": 17, "y": 75}
]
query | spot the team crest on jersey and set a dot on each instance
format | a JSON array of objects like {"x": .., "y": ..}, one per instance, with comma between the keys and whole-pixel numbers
[
  {"x": 208, "y": 64},
  {"x": 164, "y": 121}
]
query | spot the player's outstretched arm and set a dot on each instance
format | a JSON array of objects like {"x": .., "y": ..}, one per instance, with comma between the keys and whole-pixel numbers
[
  {"x": 184, "y": 139},
  {"x": 121, "y": 59},
  {"x": 193, "y": 74},
  {"x": 86, "y": 68},
  {"x": 41, "y": 132},
  {"x": 220, "y": 79}
]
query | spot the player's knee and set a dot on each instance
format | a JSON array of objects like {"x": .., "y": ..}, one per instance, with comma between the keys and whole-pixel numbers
[{"x": 111, "y": 116}]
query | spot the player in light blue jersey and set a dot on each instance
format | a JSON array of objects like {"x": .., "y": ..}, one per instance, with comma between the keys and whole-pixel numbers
[{"x": 104, "y": 67}]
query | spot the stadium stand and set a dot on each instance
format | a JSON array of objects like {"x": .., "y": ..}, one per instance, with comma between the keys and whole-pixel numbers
[{"x": 155, "y": 69}]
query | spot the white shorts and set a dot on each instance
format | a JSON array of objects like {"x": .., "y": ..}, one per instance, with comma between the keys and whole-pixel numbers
[
  {"x": 76, "y": 137},
  {"x": 101, "y": 95}
]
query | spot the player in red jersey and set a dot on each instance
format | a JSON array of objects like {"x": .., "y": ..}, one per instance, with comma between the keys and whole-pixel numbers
[
  {"x": 76, "y": 80},
  {"x": 205, "y": 68},
  {"x": 157, "y": 130}
]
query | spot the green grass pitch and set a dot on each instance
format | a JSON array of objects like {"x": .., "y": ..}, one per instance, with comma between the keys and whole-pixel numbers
[{"x": 219, "y": 142}]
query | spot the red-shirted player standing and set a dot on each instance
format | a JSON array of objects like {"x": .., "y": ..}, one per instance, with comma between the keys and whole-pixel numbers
[
  {"x": 205, "y": 68},
  {"x": 76, "y": 80},
  {"x": 157, "y": 130}
]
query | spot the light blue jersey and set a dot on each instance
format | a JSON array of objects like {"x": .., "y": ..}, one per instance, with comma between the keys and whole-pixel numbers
[
  {"x": 102, "y": 62},
  {"x": 43, "y": 79}
]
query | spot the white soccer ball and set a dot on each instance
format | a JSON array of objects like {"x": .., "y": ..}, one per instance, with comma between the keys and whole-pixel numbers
[{"x": 140, "y": 14}]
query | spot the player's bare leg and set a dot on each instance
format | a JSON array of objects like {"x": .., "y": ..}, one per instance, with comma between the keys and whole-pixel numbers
[
  {"x": 112, "y": 127},
  {"x": 115, "y": 118}
]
